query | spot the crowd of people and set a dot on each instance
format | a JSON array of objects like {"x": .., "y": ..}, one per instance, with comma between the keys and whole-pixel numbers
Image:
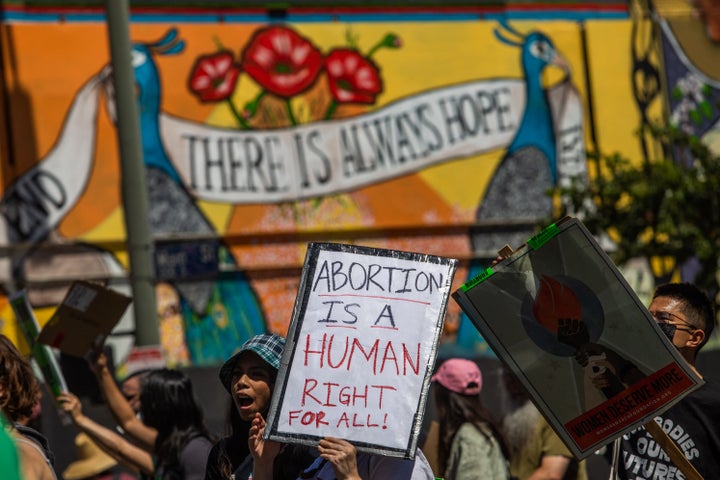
[{"x": 161, "y": 431}]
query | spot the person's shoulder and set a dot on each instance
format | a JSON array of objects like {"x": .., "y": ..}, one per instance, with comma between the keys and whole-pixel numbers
[
  {"x": 197, "y": 445},
  {"x": 469, "y": 432},
  {"x": 711, "y": 383},
  {"x": 422, "y": 469},
  {"x": 709, "y": 392},
  {"x": 35, "y": 464}
]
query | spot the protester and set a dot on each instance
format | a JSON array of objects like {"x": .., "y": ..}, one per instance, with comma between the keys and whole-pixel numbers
[
  {"x": 168, "y": 406},
  {"x": 536, "y": 451},
  {"x": 338, "y": 460},
  {"x": 130, "y": 387},
  {"x": 92, "y": 463},
  {"x": 124, "y": 404},
  {"x": 249, "y": 377},
  {"x": 228, "y": 454},
  {"x": 19, "y": 395},
  {"x": 9, "y": 459},
  {"x": 131, "y": 456},
  {"x": 685, "y": 314},
  {"x": 470, "y": 444},
  {"x": 118, "y": 400}
]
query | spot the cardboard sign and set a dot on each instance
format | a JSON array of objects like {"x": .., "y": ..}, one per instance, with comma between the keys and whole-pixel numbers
[
  {"x": 560, "y": 315},
  {"x": 361, "y": 347},
  {"x": 84, "y": 319}
]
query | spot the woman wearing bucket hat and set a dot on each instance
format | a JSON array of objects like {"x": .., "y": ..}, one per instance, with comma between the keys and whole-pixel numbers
[
  {"x": 249, "y": 377},
  {"x": 334, "y": 457},
  {"x": 470, "y": 444}
]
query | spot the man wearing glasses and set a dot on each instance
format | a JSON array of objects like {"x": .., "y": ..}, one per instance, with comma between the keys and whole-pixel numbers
[{"x": 685, "y": 314}]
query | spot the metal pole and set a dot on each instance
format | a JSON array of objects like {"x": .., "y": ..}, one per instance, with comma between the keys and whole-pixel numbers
[{"x": 134, "y": 189}]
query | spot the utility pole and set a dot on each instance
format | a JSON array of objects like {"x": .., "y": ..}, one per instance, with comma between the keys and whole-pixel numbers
[{"x": 134, "y": 188}]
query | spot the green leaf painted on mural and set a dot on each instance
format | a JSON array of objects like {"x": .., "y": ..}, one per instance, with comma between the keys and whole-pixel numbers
[
  {"x": 695, "y": 117},
  {"x": 706, "y": 109}
]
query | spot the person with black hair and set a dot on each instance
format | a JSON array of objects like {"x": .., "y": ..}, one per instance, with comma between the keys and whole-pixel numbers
[
  {"x": 470, "y": 444},
  {"x": 130, "y": 388},
  {"x": 124, "y": 401},
  {"x": 229, "y": 453},
  {"x": 168, "y": 405},
  {"x": 169, "y": 409},
  {"x": 686, "y": 316},
  {"x": 337, "y": 459},
  {"x": 249, "y": 377}
]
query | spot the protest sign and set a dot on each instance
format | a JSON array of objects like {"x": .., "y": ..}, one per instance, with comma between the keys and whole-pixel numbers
[
  {"x": 42, "y": 354},
  {"x": 84, "y": 319},
  {"x": 361, "y": 347},
  {"x": 560, "y": 315}
]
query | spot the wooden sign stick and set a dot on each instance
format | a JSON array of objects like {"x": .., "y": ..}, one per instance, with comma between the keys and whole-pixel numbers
[{"x": 677, "y": 456}]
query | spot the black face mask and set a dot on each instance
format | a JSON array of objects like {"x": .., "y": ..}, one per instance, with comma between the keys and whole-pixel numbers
[{"x": 668, "y": 329}]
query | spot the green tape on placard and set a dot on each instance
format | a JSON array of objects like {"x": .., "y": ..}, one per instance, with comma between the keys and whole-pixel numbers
[
  {"x": 543, "y": 237},
  {"x": 477, "y": 279}
]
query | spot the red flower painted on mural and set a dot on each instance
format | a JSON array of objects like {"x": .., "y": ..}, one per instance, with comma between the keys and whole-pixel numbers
[
  {"x": 282, "y": 61},
  {"x": 352, "y": 77},
  {"x": 214, "y": 76}
]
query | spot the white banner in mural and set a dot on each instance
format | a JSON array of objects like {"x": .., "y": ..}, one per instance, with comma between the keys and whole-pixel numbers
[
  {"x": 311, "y": 160},
  {"x": 266, "y": 166},
  {"x": 39, "y": 199}
]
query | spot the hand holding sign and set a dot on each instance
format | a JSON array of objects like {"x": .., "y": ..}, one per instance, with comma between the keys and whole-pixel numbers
[{"x": 360, "y": 349}]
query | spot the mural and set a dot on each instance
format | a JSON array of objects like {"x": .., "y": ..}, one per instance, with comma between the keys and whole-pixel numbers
[
  {"x": 260, "y": 137},
  {"x": 691, "y": 75}
]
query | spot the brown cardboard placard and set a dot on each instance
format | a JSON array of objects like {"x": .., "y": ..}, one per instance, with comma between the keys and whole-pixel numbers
[{"x": 85, "y": 317}]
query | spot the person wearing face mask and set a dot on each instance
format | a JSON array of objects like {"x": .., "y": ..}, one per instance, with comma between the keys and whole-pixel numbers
[
  {"x": 249, "y": 377},
  {"x": 685, "y": 314}
]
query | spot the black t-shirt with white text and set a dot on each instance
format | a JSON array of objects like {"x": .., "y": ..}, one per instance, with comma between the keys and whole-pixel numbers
[{"x": 693, "y": 424}]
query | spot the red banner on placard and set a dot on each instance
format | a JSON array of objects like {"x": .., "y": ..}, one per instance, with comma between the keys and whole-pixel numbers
[{"x": 629, "y": 406}]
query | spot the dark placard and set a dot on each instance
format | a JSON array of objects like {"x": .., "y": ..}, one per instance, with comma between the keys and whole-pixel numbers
[{"x": 561, "y": 316}]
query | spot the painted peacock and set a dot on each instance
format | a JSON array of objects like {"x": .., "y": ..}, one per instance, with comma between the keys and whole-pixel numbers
[
  {"x": 219, "y": 313},
  {"x": 517, "y": 189}
]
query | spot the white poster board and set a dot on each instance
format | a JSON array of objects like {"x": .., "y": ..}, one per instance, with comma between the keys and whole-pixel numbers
[
  {"x": 361, "y": 348},
  {"x": 560, "y": 298}
]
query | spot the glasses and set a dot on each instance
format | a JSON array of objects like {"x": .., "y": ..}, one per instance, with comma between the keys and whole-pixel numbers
[{"x": 666, "y": 317}]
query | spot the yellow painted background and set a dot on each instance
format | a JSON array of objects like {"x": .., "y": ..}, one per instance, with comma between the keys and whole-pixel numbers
[{"x": 50, "y": 62}]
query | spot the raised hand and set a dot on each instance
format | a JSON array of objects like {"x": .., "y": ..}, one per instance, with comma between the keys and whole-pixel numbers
[
  {"x": 263, "y": 451},
  {"x": 97, "y": 361},
  {"x": 70, "y": 404}
]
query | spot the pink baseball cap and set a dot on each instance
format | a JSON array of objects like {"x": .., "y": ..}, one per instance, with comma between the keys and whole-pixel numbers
[{"x": 459, "y": 375}]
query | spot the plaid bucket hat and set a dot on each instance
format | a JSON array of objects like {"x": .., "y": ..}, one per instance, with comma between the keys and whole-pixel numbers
[{"x": 267, "y": 346}]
